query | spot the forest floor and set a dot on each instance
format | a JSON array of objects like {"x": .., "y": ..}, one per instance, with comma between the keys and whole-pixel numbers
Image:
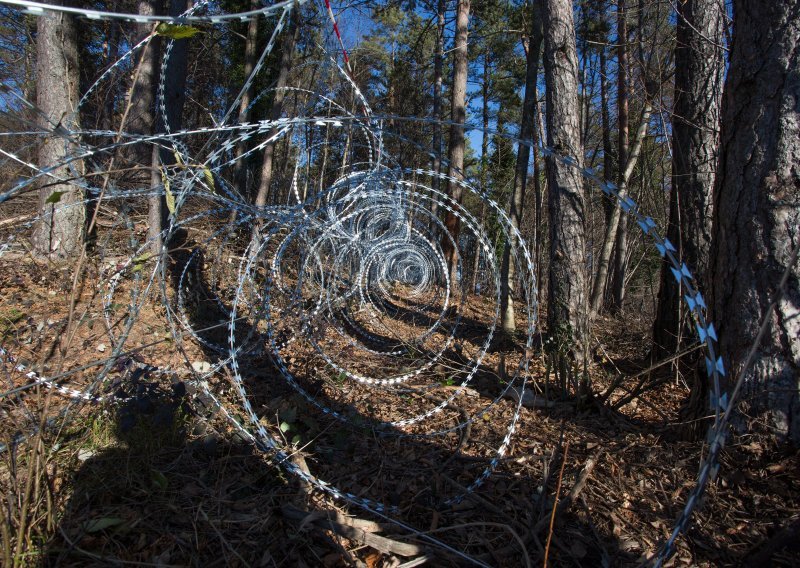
[{"x": 162, "y": 480}]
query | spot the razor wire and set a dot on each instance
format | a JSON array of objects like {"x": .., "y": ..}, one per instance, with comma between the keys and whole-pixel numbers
[{"x": 352, "y": 271}]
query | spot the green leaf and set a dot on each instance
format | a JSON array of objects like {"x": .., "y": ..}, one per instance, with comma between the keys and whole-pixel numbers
[
  {"x": 55, "y": 197},
  {"x": 296, "y": 439},
  {"x": 168, "y": 193},
  {"x": 285, "y": 427},
  {"x": 138, "y": 262},
  {"x": 209, "y": 178},
  {"x": 142, "y": 258},
  {"x": 97, "y": 525},
  {"x": 176, "y": 31}
]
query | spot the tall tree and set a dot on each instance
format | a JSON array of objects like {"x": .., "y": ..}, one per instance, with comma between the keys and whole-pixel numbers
[
  {"x": 287, "y": 52},
  {"x": 58, "y": 235},
  {"x": 240, "y": 169},
  {"x": 438, "y": 115},
  {"x": 458, "y": 116},
  {"x": 567, "y": 287},
  {"x": 699, "y": 68},
  {"x": 757, "y": 208},
  {"x": 168, "y": 118},
  {"x": 615, "y": 238},
  {"x": 623, "y": 109},
  {"x": 527, "y": 122}
]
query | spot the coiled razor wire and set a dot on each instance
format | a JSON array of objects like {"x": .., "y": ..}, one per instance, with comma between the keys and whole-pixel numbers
[{"x": 351, "y": 271}]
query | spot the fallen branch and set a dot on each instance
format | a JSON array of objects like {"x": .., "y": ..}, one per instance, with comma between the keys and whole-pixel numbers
[
  {"x": 555, "y": 508},
  {"x": 347, "y": 527},
  {"x": 580, "y": 484},
  {"x": 295, "y": 514},
  {"x": 15, "y": 220},
  {"x": 379, "y": 543}
]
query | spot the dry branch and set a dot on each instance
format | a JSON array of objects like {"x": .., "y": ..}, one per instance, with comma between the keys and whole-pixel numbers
[{"x": 350, "y": 528}]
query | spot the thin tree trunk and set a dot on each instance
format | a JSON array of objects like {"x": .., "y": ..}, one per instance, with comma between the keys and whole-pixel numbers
[
  {"x": 612, "y": 228},
  {"x": 539, "y": 198},
  {"x": 484, "y": 159},
  {"x": 458, "y": 117},
  {"x": 58, "y": 234},
  {"x": 174, "y": 79},
  {"x": 622, "y": 161},
  {"x": 757, "y": 209},
  {"x": 290, "y": 39},
  {"x": 507, "y": 276},
  {"x": 239, "y": 168},
  {"x": 438, "y": 63},
  {"x": 567, "y": 301},
  {"x": 541, "y": 191},
  {"x": 699, "y": 68},
  {"x": 608, "y": 152}
]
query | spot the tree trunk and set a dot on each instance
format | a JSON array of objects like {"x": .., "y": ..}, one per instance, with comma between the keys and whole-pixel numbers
[
  {"x": 174, "y": 96},
  {"x": 486, "y": 87},
  {"x": 540, "y": 189},
  {"x": 508, "y": 323},
  {"x": 438, "y": 64},
  {"x": 58, "y": 235},
  {"x": 567, "y": 301},
  {"x": 699, "y": 68},
  {"x": 616, "y": 218},
  {"x": 608, "y": 152},
  {"x": 142, "y": 114},
  {"x": 622, "y": 152},
  {"x": 239, "y": 168},
  {"x": 290, "y": 39},
  {"x": 757, "y": 208},
  {"x": 458, "y": 117}
]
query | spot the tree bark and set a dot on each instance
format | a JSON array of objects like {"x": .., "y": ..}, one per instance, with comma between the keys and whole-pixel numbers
[
  {"x": 699, "y": 68},
  {"x": 290, "y": 39},
  {"x": 507, "y": 276},
  {"x": 622, "y": 152},
  {"x": 455, "y": 154},
  {"x": 616, "y": 218},
  {"x": 163, "y": 119},
  {"x": 486, "y": 87},
  {"x": 239, "y": 169},
  {"x": 757, "y": 209},
  {"x": 567, "y": 301},
  {"x": 142, "y": 114},
  {"x": 438, "y": 64},
  {"x": 58, "y": 235},
  {"x": 608, "y": 152}
]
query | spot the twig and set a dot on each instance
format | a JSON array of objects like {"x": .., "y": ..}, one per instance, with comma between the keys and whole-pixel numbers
[
  {"x": 354, "y": 533},
  {"x": 525, "y": 555},
  {"x": 475, "y": 497},
  {"x": 299, "y": 515},
  {"x": 14, "y": 220},
  {"x": 221, "y": 537},
  {"x": 555, "y": 504},
  {"x": 416, "y": 562}
]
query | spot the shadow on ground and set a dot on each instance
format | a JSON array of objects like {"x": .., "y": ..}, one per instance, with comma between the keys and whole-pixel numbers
[{"x": 174, "y": 487}]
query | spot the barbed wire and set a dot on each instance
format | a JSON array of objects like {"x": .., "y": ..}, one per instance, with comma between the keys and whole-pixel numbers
[{"x": 332, "y": 273}]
